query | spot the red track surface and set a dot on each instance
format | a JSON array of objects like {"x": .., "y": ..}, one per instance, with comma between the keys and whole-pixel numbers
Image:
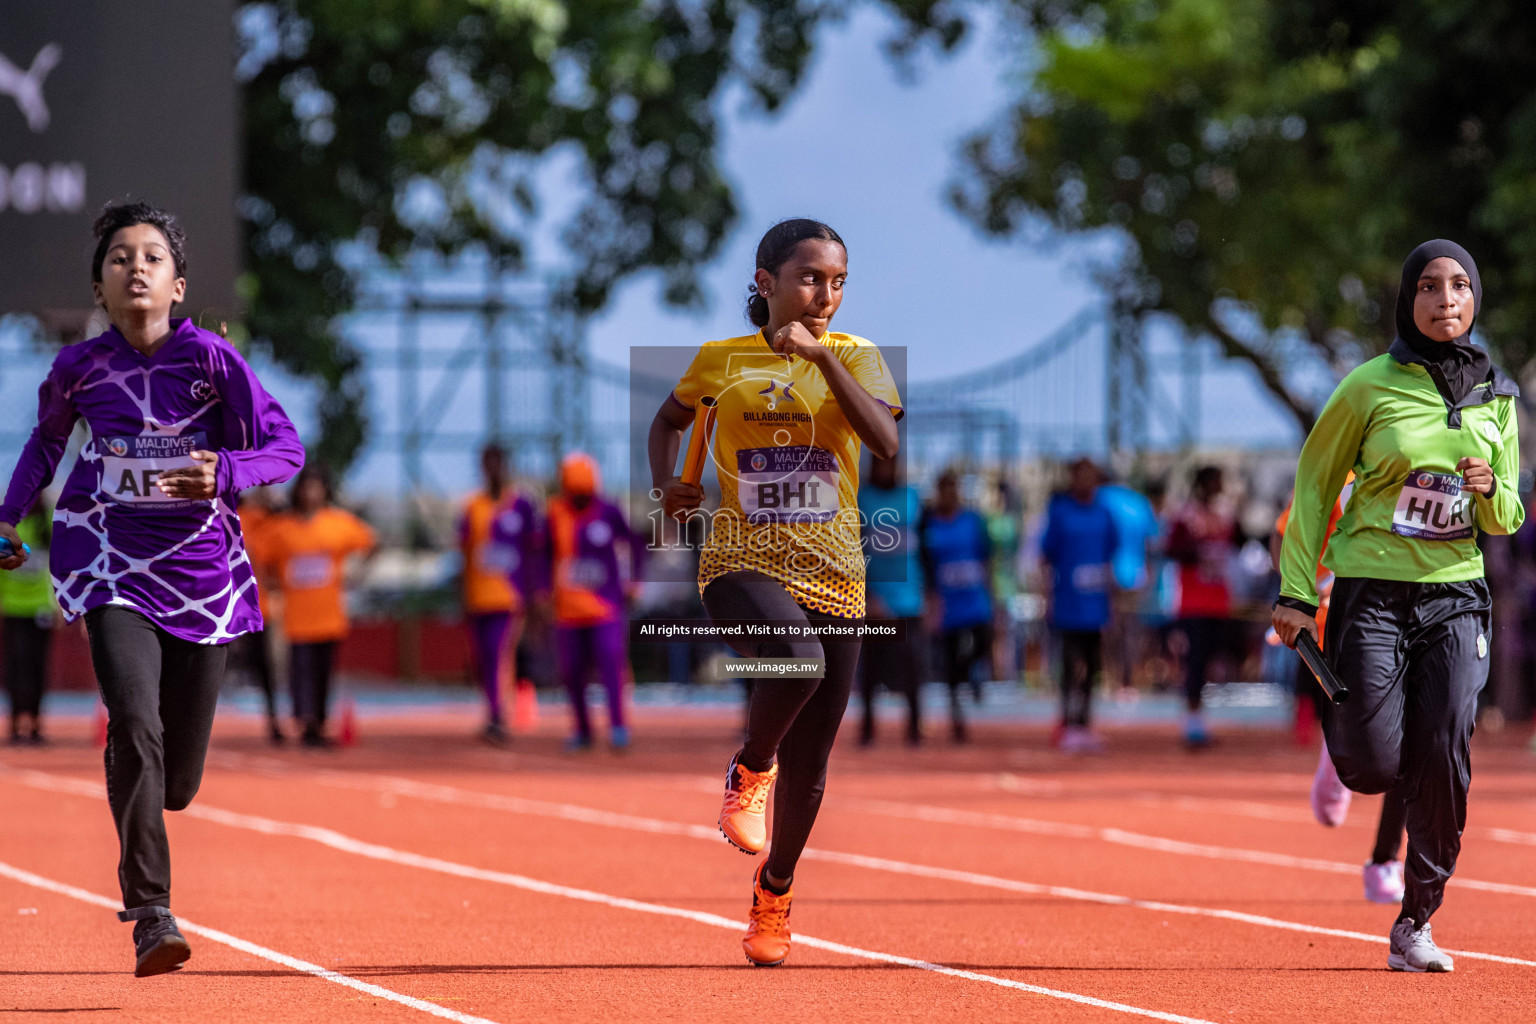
[{"x": 440, "y": 880}]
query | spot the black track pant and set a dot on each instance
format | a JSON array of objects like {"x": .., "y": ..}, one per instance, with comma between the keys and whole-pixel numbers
[
  {"x": 309, "y": 677},
  {"x": 899, "y": 666},
  {"x": 1205, "y": 636},
  {"x": 160, "y": 692},
  {"x": 1414, "y": 656},
  {"x": 1082, "y": 660},
  {"x": 250, "y": 652},
  {"x": 961, "y": 648},
  {"x": 26, "y": 664},
  {"x": 793, "y": 719}
]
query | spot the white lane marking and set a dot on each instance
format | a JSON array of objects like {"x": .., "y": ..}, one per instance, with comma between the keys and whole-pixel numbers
[
  {"x": 303, "y": 966},
  {"x": 592, "y": 816},
  {"x": 1243, "y": 808},
  {"x": 347, "y": 844},
  {"x": 1011, "y": 823}
]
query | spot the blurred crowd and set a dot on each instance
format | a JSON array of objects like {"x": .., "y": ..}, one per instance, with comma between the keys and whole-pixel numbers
[{"x": 1077, "y": 582}]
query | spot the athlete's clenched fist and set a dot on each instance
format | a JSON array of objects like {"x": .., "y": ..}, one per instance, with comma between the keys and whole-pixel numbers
[
  {"x": 199, "y": 481},
  {"x": 1476, "y": 475},
  {"x": 678, "y": 498},
  {"x": 795, "y": 339}
]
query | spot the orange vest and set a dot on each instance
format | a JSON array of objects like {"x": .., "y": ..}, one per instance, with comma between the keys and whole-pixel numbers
[
  {"x": 487, "y": 587},
  {"x": 308, "y": 557}
]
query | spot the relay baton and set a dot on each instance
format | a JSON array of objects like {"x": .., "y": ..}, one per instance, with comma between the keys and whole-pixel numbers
[
  {"x": 698, "y": 441},
  {"x": 7, "y": 549},
  {"x": 1313, "y": 656}
]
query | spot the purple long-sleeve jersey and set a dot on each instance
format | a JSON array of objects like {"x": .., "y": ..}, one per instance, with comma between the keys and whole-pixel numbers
[{"x": 117, "y": 539}]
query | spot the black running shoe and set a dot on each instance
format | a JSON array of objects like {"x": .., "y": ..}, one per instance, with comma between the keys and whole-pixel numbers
[{"x": 157, "y": 943}]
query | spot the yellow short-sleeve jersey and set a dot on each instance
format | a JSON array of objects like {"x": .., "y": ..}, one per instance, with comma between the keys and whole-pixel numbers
[{"x": 788, "y": 464}]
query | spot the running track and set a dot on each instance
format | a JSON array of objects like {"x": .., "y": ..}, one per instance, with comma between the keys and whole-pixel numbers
[{"x": 420, "y": 877}]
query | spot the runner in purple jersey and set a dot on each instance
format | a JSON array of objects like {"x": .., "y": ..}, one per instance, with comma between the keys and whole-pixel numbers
[{"x": 147, "y": 545}]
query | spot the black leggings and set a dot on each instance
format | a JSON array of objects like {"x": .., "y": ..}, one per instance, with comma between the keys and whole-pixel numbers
[
  {"x": 793, "y": 719},
  {"x": 250, "y": 652},
  {"x": 1082, "y": 660},
  {"x": 26, "y": 664},
  {"x": 309, "y": 677},
  {"x": 160, "y": 692}
]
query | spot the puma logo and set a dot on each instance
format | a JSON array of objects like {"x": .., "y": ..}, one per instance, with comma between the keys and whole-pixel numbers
[{"x": 26, "y": 87}]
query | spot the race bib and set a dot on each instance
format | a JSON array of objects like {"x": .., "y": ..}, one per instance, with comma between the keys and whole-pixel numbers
[
  {"x": 1091, "y": 579},
  {"x": 962, "y": 574},
  {"x": 310, "y": 572},
  {"x": 587, "y": 573},
  {"x": 130, "y": 466},
  {"x": 1431, "y": 506},
  {"x": 497, "y": 559},
  {"x": 792, "y": 484}
]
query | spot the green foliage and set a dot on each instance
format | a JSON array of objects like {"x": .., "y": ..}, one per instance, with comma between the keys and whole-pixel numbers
[
  {"x": 1273, "y": 161},
  {"x": 409, "y": 125}
]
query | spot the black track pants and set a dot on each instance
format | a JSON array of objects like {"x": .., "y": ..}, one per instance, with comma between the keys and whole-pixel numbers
[
  {"x": 1082, "y": 660},
  {"x": 795, "y": 719},
  {"x": 1414, "y": 656},
  {"x": 26, "y": 663},
  {"x": 160, "y": 692}
]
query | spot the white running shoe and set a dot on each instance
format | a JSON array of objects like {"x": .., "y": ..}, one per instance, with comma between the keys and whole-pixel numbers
[
  {"x": 1078, "y": 739},
  {"x": 1383, "y": 882},
  {"x": 1413, "y": 949},
  {"x": 1330, "y": 797}
]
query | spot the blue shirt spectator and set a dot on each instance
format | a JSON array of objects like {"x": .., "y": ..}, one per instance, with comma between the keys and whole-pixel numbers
[
  {"x": 894, "y": 571},
  {"x": 957, "y": 554},
  {"x": 1137, "y": 525},
  {"x": 1079, "y": 544}
]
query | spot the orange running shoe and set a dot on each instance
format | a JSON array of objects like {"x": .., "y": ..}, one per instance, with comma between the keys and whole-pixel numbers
[
  {"x": 746, "y": 801},
  {"x": 767, "y": 940}
]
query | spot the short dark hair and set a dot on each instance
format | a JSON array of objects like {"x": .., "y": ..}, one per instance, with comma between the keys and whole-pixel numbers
[
  {"x": 312, "y": 471},
  {"x": 1206, "y": 476},
  {"x": 116, "y": 216},
  {"x": 775, "y": 249}
]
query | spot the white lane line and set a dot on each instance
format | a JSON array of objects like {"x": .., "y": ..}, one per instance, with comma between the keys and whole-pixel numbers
[
  {"x": 1243, "y": 808},
  {"x": 1065, "y": 830},
  {"x": 347, "y": 844},
  {"x": 592, "y": 816},
  {"x": 303, "y": 966}
]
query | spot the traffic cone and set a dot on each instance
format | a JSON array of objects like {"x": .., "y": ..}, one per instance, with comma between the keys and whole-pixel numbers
[
  {"x": 99, "y": 725},
  {"x": 525, "y": 707},
  {"x": 346, "y": 736}
]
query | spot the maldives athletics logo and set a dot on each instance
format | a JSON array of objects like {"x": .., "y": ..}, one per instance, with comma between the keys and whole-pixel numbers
[{"x": 118, "y": 446}]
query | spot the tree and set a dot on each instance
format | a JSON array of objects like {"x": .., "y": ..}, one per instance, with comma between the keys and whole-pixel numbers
[
  {"x": 408, "y": 125},
  {"x": 1271, "y": 161}
]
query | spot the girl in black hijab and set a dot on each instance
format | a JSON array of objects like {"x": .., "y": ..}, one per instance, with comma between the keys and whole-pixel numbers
[{"x": 1429, "y": 430}]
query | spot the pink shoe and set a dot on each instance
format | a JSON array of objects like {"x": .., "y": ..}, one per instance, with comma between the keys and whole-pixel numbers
[
  {"x": 1077, "y": 739},
  {"x": 1330, "y": 797},
  {"x": 1384, "y": 882}
]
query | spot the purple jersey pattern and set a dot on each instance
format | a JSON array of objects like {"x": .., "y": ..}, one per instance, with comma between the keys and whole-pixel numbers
[
  {"x": 515, "y": 529},
  {"x": 181, "y": 563}
]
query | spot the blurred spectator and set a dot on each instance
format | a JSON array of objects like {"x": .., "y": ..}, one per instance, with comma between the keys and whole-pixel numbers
[
  {"x": 590, "y": 584},
  {"x": 893, "y": 594},
  {"x": 956, "y": 557},
  {"x": 1136, "y": 533},
  {"x": 1202, "y": 541},
  {"x": 496, "y": 538},
  {"x": 26, "y": 602},
  {"x": 307, "y": 548},
  {"x": 1078, "y": 548},
  {"x": 1003, "y": 529},
  {"x": 251, "y": 651}
]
